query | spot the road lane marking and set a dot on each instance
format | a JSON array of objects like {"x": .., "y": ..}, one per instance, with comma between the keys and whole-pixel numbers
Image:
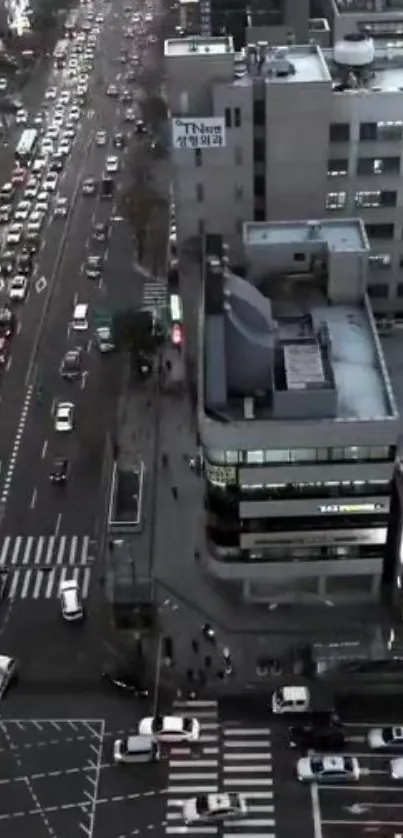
[
  {"x": 44, "y": 449},
  {"x": 31, "y": 506},
  {"x": 4, "y": 549},
  {"x": 316, "y": 813},
  {"x": 16, "y": 446}
]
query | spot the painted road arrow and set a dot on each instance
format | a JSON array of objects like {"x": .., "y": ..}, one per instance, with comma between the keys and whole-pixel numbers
[{"x": 357, "y": 808}]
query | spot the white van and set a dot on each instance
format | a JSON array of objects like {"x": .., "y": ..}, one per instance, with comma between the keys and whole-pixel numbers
[
  {"x": 290, "y": 700},
  {"x": 80, "y": 317},
  {"x": 136, "y": 749}
]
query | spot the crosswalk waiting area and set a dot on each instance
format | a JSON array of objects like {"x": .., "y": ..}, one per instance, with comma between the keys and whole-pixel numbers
[
  {"x": 37, "y": 565},
  {"x": 229, "y": 758}
]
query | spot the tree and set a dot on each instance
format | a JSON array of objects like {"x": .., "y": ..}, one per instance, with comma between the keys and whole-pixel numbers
[{"x": 155, "y": 112}]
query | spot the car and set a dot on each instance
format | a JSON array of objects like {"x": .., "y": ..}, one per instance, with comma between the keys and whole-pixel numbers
[
  {"x": 101, "y": 138},
  {"x": 7, "y": 262},
  {"x": 47, "y": 146},
  {"x": 50, "y": 182},
  {"x": 5, "y": 213},
  {"x": 4, "y": 351},
  {"x": 39, "y": 119},
  {"x": 64, "y": 417},
  {"x": 31, "y": 189},
  {"x": 58, "y": 118},
  {"x": 61, "y": 207},
  {"x": 24, "y": 263},
  {"x": 131, "y": 76},
  {"x": 57, "y": 162},
  {"x": 42, "y": 203},
  {"x": 14, "y": 234},
  {"x": 68, "y": 133},
  {"x": 396, "y": 768},
  {"x": 8, "y": 673},
  {"x": 170, "y": 728},
  {"x": 111, "y": 165},
  {"x": 18, "y": 287},
  {"x": 22, "y": 211},
  {"x": 39, "y": 164},
  {"x": 214, "y": 808},
  {"x": 64, "y": 98},
  {"x": 7, "y": 192},
  {"x": 89, "y": 186},
  {"x": 93, "y": 268},
  {"x": 328, "y": 769},
  {"x": 21, "y": 117},
  {"x": 33, "y": 242},
  {"x": 141, "y": 127},
  {"x": 71, "y": 365},
  {"x": 127, "y": 96},
  {"x": 100, "y": 18},
  {"x": 70, "y": 601},
  {"x": 35, "y": 223},
  {"x": 52, "y": 133},
  {"x": 3, "y": 84},
  {"x": 74, "y": 113},
  {"x": 104, "y": 339},
  {"x": 118, "y": 140},
  {"x": 384, "y": 738},
  {"x": 317, "y": 737},
  {"x": 111, "y": 90},
  {"x": 128, "y": 33},
  {"x": 64, "y": 146},
  {"x": 51, "y": 94},
  {"x": 8, "y": 322},
  {"x": 135, "y": 749},
  {"x": 18, "y": 176},
  {"x": 100, "y": 232},
  {"x": 129, "y": 115}
]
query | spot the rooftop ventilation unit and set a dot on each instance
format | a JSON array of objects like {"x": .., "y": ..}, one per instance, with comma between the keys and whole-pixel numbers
[
  {"x": 356, "y": 51},
  {"x": 277, "y": 63}
]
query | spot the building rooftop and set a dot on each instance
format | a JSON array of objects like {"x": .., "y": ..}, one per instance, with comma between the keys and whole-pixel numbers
[
  {"x": 368, "y": 6},
  {"x": 383, "y": 72},
  {"x": 286, "y": 65},
  {"x": 278, "y": 348},
  {"x": 338, "y": 234},
  {"x": 180, "y": 47}
]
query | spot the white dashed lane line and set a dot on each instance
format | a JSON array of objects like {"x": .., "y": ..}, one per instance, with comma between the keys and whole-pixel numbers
[
  {"x": 66, "y": 741},
  {"x": 5, "y": 491},
  {"x": 81, "y": 804}
]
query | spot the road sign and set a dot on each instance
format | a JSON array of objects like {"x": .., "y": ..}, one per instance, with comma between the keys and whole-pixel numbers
[
  {"x": 357, "y": 808},
  {"x": 40, "y": 284}
]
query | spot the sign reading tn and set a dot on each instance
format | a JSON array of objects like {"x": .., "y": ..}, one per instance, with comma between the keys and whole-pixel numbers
[{"x": 199, "y": 132}]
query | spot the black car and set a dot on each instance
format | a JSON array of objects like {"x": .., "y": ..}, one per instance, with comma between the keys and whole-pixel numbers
[
  {"x": 8, "y": 322},
  {"x": 57, "y": 162},
  {"x": 59, "y": 471},
  {"x": 125, "y": 680},
  {"x": 24, "y": 263},
  {"x": 71, "y": 366},
  {"x": 7, "y": 262},
  {"x": 93, "y": 268},
  {"x": 317, "y": 737},
  {"x": 118, "y": 140},
  {"x": 32, "y": 246},
  {"x": 100, "y": 232},
  {"x": 141, "y": 127},
  {"x": 5, "y": 213}
]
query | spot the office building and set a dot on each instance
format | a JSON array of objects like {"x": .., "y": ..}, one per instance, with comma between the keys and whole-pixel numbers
[
  {"x": 379, "y": 18},
  {"x": 297, "y": 419},
  {"x": 274, "y": 134},
  {"x": 278, "y": 21}
]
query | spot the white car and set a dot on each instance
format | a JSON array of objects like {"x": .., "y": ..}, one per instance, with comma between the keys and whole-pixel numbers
[
  {"x": 21, "y": 117},
  {"x": 47, "y": 146},
  {"x": 70, "y": 601},
  {"x": 51, "y": 94},
  {"x": 42, "y": 203},
  {"x": 18, "y": 287},
  {"x": 130, "y": 115},
  {"x": 112, "y": 165},
  {"x": 328, "y": 769},
  {"x": 170, "y": 728},
  {"x": 64, "y": 97},
  {"x": 8, "y": 672},
  {"x": 22, "y": 211},
  {"x": 100, "y": 138},
  {"x": 35, "y": 223},
  {"x": 14, "y": 234},
  {"x": 50, "y": 182},
  {"x": 61, "y": 207},
  {"x": 64, "y": 418},
  {"x": 52, "y": 133},
  {"x": 58, "y": 118},
  {"x": 396, "y": 768},
  {"x": 74, "y": 113},
  {"x": 68, "y": 134},
  {"x": 3, "y": 84},
  {"x": 214, "y": 808},
  {"x": 39, "y": 164},
  {"x": 64, "y": 146},
  {"x": 31, "y": 190},
  {"x": 383, "y": 738}
]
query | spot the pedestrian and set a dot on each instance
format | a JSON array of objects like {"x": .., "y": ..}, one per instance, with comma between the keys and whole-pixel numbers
[
  {"x": 220, "y": 675},
  {"x": 189, "y": 674},
  {"x": 164, "y": 460},
  {"x": 207, "y": 662},
  {"x": 208, "y": 632},
  {"x": 197, "y": 556},
  {"x": 174, "y": 491},
  {"x": 226, "y": 654},
  {"x": 195, "y": 646}
]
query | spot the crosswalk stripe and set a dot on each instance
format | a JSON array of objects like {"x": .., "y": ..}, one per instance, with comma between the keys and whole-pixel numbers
[
  {"x": 25, "y": 584},
  {"x": 60, "y": 554},
  {"x": 73, "y": 548},
  {"x": 14, "y": 583},
  {"x": 27, "y": 550},
  {"x": 4, "y": 549},
  {"x": 39, "y": 548},
  {"x": 49, "y": 553},
  {"x": 37, "y": 565}
]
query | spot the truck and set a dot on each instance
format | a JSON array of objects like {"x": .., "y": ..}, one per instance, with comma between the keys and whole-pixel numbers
[{"x": 107, "y": 187}]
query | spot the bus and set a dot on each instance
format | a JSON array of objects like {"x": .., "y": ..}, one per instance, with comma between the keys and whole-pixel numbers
[
  {"x": 26, "y": 145},
  {"x": 60, "y": 54}
]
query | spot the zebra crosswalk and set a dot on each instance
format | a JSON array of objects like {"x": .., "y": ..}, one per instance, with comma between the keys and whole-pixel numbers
[
  {"x": 229, "y": 758},
  {"x": 37, "y": 565}
]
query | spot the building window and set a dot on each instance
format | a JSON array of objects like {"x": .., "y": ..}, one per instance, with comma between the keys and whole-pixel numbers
[
  {"x": 259, "y": 112},
  {"x": 259, "y": 151},
  {"x": 200, "y": 226},
  {"x": 238, "y": 192},
  {"x": 198, "y": 157},
  {"x": 336, "y": 200},
  {"x": 259, "y": 186},
  {"x": 199, "y": 192},
  {"x": 237, "y": 117},
  {"x": 382, "y": 131},
  {"x": 337, "y": 167},
  {"x": 339, "y": 132},
  {"x": 255, "y": 457},
  {"x": 378, "y": 291},
  {"x": 378, "y": 166},
  {"x": 377, "y": 198},
  {"x": 381, "y": 261},
  {"x": 238, "y": 155},
  {"x": 228, "y": 121},
  {"x": 380, "y": 231}
]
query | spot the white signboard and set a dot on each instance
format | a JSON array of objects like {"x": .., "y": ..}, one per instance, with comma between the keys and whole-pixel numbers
[{"x": 198, "y": 132}]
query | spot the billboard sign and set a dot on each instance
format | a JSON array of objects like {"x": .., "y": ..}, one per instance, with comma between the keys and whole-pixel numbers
[{"x": 198, "y": 132}]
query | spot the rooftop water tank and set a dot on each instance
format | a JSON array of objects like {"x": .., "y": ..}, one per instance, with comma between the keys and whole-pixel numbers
[{"x": 354, "y": 51}]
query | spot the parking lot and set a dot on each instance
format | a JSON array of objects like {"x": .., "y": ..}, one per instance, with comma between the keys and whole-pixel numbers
[
  {"x": 374, "y": 805},
  {"x": 49, "y": 772}
]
